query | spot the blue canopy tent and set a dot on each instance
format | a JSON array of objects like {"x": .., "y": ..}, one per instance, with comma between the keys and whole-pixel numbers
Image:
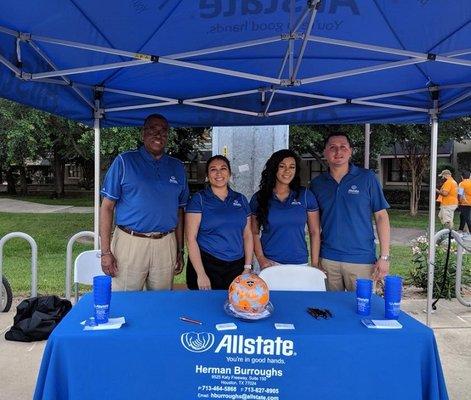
[{"x": 240, "y": 62}]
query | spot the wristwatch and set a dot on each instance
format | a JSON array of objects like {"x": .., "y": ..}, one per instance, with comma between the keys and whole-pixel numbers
[{"x": 385, "y": 258}]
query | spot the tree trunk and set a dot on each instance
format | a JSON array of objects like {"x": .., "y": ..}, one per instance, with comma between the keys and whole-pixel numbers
[
  {"x": 414, "y": 197},
  {"x": 23, "y": 182},
  {"x": 59, "y": 172},
  {"x": 414, "y": 187},
  {"x": 11, "y": 184},
  {"x": 88, "y": 174}
]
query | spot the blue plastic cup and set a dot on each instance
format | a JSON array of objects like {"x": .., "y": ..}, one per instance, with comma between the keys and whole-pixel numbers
[
  {"x": 102, "y": 298},
  {"x": 392, "y": 296},
  {"x": 364, "y": 290}
]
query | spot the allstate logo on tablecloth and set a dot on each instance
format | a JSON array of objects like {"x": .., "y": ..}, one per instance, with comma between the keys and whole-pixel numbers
[{"x": 197, "y": 342}]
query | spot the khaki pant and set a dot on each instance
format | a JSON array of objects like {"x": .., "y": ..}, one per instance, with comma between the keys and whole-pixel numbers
[
  {"x": 342, "y": 275},
  {"x": 446, "y": 215},
  {"x": 143, "y": 261}
]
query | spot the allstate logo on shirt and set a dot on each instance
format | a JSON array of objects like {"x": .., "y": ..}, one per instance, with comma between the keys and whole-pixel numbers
[
  {"x": 295, "y": 203},
  {"x": 353, "y": 190},
  {"x": 236, "y": 203},
  {"x": 197, "y": 342},
  {"x": 173, "y": 180}
]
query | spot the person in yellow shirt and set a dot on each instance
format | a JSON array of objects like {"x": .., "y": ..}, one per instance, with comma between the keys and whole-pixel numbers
[
  {"x": 464, "y": 197},
  {"x": 448, "y": 198}
]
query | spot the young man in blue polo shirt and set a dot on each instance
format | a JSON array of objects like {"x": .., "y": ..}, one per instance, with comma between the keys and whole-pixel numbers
[
  {"x": 348, "y": 198},
  {"x": 145, "y": 190}
]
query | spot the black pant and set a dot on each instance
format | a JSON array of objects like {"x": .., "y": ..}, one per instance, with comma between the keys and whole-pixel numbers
[
  {"x": 220, "y": 273},
  {"x": 465, "y": 217}
]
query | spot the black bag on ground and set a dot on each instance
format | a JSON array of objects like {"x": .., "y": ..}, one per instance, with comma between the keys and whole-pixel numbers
[{"x": 36, "y": 318}]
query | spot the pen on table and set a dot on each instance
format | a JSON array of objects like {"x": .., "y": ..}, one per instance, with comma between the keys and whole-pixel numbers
[{"x": 192, "y": 321}]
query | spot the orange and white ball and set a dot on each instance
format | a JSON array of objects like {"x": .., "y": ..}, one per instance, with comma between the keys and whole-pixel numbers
[{"x": 249, "y": 293}]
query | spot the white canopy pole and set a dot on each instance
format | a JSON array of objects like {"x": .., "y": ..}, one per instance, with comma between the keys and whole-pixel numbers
[
  {"x": 431, "y": 221},
  {"x": 367, "y": 146},
  {"x": 96, "y": 203}
]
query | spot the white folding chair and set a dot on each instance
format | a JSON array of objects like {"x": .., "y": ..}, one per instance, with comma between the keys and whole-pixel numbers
[
  {"x": 86, "y": 266},
  {"x": 294, "y": 277}
]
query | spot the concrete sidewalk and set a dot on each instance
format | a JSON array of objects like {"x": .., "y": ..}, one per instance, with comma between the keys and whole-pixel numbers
[
  {"x": 19, "y": 362},
  {"x": 451, "y": 323},
  {"x": 20, "y": 206}
]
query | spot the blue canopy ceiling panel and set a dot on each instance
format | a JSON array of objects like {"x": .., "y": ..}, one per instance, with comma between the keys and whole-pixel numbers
[{"x": 238, "y": 62}]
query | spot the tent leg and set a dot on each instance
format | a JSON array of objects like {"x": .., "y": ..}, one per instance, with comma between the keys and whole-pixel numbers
[
  {"x": 367, "y": 146},
  {"x": 431, "y": 223},
  {"x": 96, "y": 204}
]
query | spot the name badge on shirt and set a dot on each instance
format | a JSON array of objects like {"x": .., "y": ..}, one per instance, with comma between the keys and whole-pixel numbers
[
  {"x": 353, "y": 190},
  {"x": 236, "y": 203},
  {"x": 173, "y": 180}
]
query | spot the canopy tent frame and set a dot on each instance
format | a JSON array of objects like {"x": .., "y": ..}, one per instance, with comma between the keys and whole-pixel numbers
[
  {"x": 432, "y": 200},
  {"x": 174, "y": 59},
  {"x": 287, "y": 86}
]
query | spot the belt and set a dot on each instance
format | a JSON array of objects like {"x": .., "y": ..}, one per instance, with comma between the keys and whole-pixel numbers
[{"x": 153, "y": 235}]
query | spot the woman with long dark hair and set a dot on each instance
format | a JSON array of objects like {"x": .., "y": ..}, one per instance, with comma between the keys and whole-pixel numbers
[
  {"x": 280, "y": 210},
  {"x": 218, "y": 231}
]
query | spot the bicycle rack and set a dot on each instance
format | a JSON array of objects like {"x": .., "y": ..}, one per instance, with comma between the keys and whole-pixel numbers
[
  {"x": 34, "y": 259},
  {"x": 68, "y": 265},
  {"x": 464, "y": 243}
]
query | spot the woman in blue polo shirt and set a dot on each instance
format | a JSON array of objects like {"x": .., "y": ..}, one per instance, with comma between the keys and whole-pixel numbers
[
  {"x": 218, "y": 231},
  {"x": 280, "y": 210}
]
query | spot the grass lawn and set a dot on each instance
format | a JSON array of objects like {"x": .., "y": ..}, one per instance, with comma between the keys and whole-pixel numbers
[
  {"x": 402, "y": 219},
  {"x": 400, "y": 260},
  {"x": 83, "y": 200},
  {"x": 52, "y": 232}
]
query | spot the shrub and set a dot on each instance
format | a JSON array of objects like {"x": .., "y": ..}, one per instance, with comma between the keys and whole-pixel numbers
[
  {"x": 400, "y": 198},
  {"x": 464, "y": 161},
  {"x": 444, "y": 165},
  {"x": 418, "y": 274}
]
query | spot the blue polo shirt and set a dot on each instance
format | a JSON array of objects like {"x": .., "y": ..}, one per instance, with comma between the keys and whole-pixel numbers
[
  {"x": 346, "y": 210},
  {"x": 222, "y": 223},
  {"x": 147, "y": 192},
  {"x": 284, "y": 237}
]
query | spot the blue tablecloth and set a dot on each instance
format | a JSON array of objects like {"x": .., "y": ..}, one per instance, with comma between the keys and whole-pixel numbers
[{"x": 155, "y": 355}]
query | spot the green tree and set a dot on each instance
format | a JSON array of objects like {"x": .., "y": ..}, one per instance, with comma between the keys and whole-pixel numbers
[
  {"x": 19, "y": 142},
  {"x": 28, "y": 135},
  {"x": 310, "y": 139},
  {"x": 182, "y": 142},
  {"x": 414, "y": 143}
]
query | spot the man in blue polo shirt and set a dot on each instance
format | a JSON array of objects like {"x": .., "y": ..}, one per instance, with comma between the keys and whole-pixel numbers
[
  {"x": 145, "y": 190},
  {"x": 348, "y": 198}
]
